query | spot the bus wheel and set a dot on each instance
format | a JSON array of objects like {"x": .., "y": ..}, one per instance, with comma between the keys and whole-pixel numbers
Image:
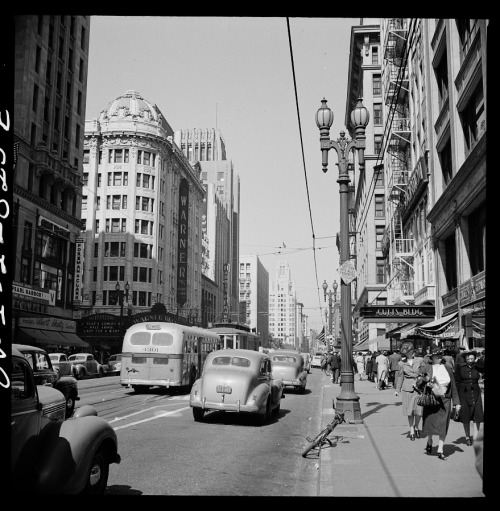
[
  {"x": 139, "y": 388},
  {"x": 198, "y": 414}
]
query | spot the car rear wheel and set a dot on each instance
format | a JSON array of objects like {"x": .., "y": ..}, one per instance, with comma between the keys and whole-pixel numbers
[
  {"x": 70, "y": 406},
  {"x": 80, "y": 374},
  {"x": 198, "y": 414},
  {"x": 97, "y": 478}
]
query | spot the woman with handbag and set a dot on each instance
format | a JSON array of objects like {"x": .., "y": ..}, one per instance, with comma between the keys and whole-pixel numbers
[
  {"x": 467, "y": 379},
  {"x": 436, "y": 418},
  {"x": 405, "y": 380}
]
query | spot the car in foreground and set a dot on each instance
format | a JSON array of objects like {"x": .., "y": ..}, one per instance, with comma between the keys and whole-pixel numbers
[
  {"x": 85, "y": 365},
  {"x": 237, "y": 380},
  {"x": 316, "y": 360},
  {"x": 61, "y": 364},
  {"x": 289, "y": 367},
  {"x": 44, "y": 373},
  {"x": 51, "y": 455},
  {"x": 114, "y": 364}
]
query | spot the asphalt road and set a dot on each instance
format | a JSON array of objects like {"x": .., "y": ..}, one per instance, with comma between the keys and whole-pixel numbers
[{"x": 164, "y": 452}]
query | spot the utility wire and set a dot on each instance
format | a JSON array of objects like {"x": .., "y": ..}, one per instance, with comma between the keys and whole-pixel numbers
[{"x": 303, "y": 157}]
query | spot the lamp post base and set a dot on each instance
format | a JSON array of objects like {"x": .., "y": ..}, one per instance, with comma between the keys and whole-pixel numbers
[{"x": 348, "y": 400}]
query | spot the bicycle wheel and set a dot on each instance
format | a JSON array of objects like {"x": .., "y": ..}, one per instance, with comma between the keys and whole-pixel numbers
[{"x": 317, "y": 441}]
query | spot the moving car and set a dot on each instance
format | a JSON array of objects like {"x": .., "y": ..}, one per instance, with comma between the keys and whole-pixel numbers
[
  {"x": 84, "y": 364},
  {"x": 61, "y": 364},
  {"x": 48, "y": 453},
  {"x": 41, "y": 364},
  {"x": 307, "y": 361},
  {"x": 289, "y": 367},
  {"x": 114, "y": 364},
  {"x": 316, "y": 360},
  {"x": 237, "y": 381}
]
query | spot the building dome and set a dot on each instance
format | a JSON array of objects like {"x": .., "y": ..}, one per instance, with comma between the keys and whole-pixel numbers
[{"x": 131, "y": 106}]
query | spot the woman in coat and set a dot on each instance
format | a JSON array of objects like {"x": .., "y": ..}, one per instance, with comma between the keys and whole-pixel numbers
[
  {"x": 436, "y": 419},
  {"x": 405, "y": 379},
  {"x": 467, "y": 377},
  {"x": 369, "y": 364}
]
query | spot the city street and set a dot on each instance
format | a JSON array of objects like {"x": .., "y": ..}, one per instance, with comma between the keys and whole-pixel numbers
[{"x": 164, "y": 452}]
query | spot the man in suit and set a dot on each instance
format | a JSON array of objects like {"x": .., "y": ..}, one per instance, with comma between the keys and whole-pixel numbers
[
  {"x": 394, "y": 359},
  {"x": 335, "y": 365}
]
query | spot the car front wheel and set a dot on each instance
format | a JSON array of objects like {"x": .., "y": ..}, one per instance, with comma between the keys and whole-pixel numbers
[
  {"x": 97, "y": 478},
  {"x": 198, "y": 414},
  {"x": 70, "y": 406}
]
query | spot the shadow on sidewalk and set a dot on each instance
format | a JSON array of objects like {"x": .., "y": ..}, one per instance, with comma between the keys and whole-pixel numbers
[{"x": 377, "y": 408}]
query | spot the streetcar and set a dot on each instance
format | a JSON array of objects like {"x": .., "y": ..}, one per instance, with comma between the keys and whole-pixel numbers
[
  {"x": 164, "y": 354},
  {"x": 236, "y": 336}
]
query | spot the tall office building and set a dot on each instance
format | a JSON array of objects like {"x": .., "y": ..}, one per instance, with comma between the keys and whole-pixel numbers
[
  {"x": 283, "y": 306},
  {"x": 222, "y": 184},
  {"x": 254, "y": 292},
  {"x": 142, "y": 206},
  {"x": 50, "y": 88}
]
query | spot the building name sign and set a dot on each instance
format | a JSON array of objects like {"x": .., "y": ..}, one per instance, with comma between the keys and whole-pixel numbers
[
  {"x": 182, "y": 243},
  {"x": 37, "y": 295},
  {"x": 60, "y": 325},
  {"x": 80, "y": 246},
  {"x": 398, "y": 313}
]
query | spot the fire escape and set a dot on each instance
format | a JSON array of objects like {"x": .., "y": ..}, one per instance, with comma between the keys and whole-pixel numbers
[{"x": 397, "y": 249}]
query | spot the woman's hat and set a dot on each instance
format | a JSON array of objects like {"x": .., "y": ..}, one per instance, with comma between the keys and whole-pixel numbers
[
  {"x": 436, "y": 350},
  {"x": 467, "y": 353}
]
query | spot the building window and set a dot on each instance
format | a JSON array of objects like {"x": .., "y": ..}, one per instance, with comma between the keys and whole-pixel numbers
[
  {"x": 82, "y": 39},
  {"x": 80, "y": 72},
  {"x": 84, "y": 202},
  {"x": 94, "y": 277},
  {"x": 96, "y": 249},
  {"x": 377, "y": 142},
  {"x": 446, "y": 165},
  {"x": 477, "y": 240},
  {"x": 377, "y": 85},
  {"x": 379, "y": 233},
  {"x": 28, "y": 231},
  {"x": 86, "y": 156},
  {"x": 37, "y": 59},
  {"x": 379, "y": 206},
  {"x": 380, "y": 270},
  {"x": 375, "y": 55},
  {"x": 441, "y": 73},
  {"x": 379, "y": 178},
  {"x": 467, "y": 30},
  {"x": 474, "y": 118},
  {"x": 450, "y": 262},
  {"x": 35, "y": 98},
  {"x": 377, "y": 113}
]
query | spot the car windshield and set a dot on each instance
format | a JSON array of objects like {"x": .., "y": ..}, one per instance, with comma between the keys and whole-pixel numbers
[
  {"x": 234, "y": 361},
  {"x": 54, "y": 358},
  {"x": 283, "y": 358},
  {"x": 78, "y": 357}
]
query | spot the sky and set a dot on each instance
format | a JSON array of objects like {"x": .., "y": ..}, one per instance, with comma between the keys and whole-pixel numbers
[{"x": 236, "y": 74}]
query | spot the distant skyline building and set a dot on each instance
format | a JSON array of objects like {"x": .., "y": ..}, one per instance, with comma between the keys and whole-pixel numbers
[
  {"x": 283, "y": 306},
  {"x": 206, "y": 147},
  {"x": 254, "y": 292},
  {"x": 50, "y": 90}
]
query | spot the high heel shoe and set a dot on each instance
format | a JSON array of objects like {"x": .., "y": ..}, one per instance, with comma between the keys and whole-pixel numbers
[
  {"x": 412, "y": 438},
  {"x": 469, "y": 441},
  {"x": 417, "y": 433},
  {"x": 428, "y": 448},
  {"x": 441, "y": 456}
]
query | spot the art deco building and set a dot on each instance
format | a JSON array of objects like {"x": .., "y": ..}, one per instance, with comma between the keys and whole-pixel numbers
[
  {"x": 50, "y": 88},
  {"x": 222, "y": 210},
  {"x": 254, "y": 292},
  {"x": 283, "y": 306},
  {"x": 142, "y": 206}
]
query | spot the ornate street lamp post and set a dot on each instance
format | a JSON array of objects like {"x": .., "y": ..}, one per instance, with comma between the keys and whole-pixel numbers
[{"x": 347, "y": 400}]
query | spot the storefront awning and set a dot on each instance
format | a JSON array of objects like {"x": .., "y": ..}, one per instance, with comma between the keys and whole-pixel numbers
[
  {"x": 34, "y": 335},
  {"x": 75, "y": 340},
  {"x": 40, "y": 336},
  {"x": 442, "y": 327}
]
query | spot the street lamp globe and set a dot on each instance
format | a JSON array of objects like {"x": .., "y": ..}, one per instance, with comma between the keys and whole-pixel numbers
[
  {"x": 127, "y": 287},
  {"x": 335, "y": 286},
  {"x": 324, "y": 116},
  {"x": 117, "y": 286},
  {"x": 360, "y": 115}
]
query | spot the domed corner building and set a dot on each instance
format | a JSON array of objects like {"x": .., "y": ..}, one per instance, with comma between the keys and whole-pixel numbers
[{"x": 142, "y": 206}]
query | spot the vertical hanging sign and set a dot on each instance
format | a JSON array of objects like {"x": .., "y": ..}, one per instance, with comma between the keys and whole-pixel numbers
[
  {"x": 182, "y": 249},
  {"x": 77, "y": 296},
  {"x": 225, "y": 285}
]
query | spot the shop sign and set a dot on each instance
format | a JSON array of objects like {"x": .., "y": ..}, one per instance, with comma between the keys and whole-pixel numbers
[
  {"x": 398, "y": 313},
  {"x": 31, "y": 293},
  {"x": 80, "y": 246},
  {"x": 60, "y": 325},
  {"x": 99, "y": 325},
  {"x": 182, "y": 244}
]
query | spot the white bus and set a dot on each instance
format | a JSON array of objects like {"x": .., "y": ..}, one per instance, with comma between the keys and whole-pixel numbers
[{"x": 164, "y": 354}]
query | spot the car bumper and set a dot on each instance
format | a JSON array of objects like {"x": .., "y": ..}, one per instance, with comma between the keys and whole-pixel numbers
[
  {"x": 225, "y": 407},
  {"x": 148, "y": 383},
  {"x": 293, "y": 383}
]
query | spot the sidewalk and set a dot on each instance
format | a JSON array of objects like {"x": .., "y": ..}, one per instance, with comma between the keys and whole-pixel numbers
[{"x": 378, "y": 459}]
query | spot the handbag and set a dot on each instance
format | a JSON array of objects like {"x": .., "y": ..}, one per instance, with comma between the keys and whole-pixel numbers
[
  {"x": 456, "y": 416},
  {"x": 427, "y": 398}
]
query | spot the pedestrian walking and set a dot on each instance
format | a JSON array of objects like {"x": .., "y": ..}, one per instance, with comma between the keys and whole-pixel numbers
[
  {"x": 467, "y": 378},
  {"x": 408, "y": 370},
  {"x": 374, "y": 367},
  {"x": 394, "y": 359},
  {"x": 324, "y": 363},
  {"x": 382, "y": 367},
  {"x": 360, "y": 364},
  {"x": 335, "y": 367},
  {"x": 448, "y": 359},
  {"x": 436, "y": 418},
  {"x": 368, "y": 366}
]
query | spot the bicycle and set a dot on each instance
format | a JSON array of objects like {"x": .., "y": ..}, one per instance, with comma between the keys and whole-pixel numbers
[{"x": 322, "y": 438}]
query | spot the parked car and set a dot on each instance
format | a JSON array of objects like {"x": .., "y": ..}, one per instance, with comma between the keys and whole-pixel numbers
[
  {"x": 307, "y": 361},
  {"x": 48, "y": 453},
  {"x": 61, "y": 364},
  {"x": 289, "y": 367},
  {"x": 316, "y": 360},
  {"x": 238, "y": 381},
  {"x": 44, "y": 373},
  {"x": 114, "y": 364},
  {"x": 84, "y": 365}
]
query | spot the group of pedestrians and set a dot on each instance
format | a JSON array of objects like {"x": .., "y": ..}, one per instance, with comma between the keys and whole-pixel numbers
[
  {"x": 454, "y": 382},
  {"x": 331, "y": 363}
]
